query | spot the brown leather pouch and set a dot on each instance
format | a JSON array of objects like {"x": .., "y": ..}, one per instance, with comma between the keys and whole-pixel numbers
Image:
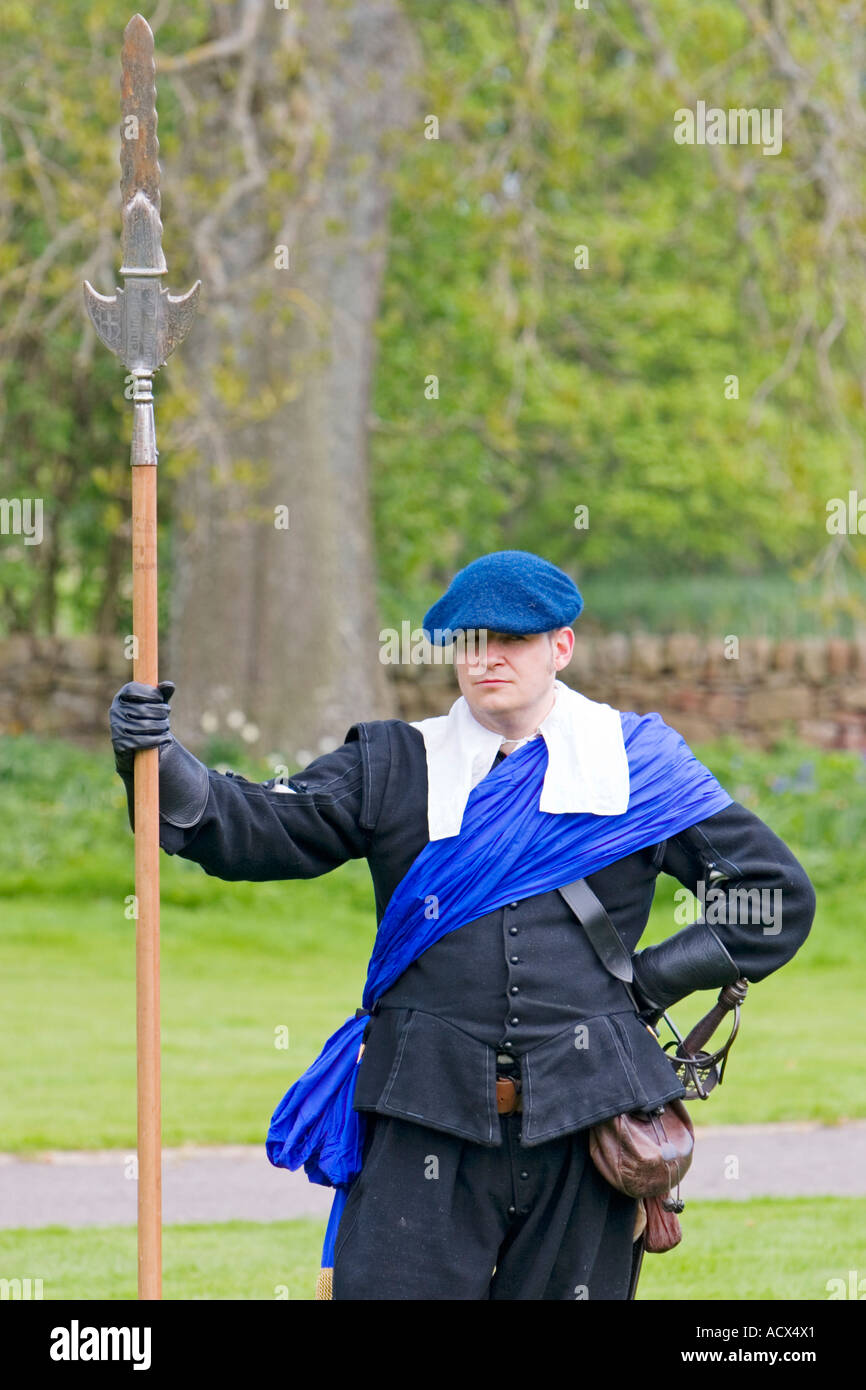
[
  {"x": 663, "y": 1230},
  {"x": 644, "y": 1155}
]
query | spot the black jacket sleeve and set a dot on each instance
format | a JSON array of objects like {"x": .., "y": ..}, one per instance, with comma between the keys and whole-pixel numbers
[
  {"x": 299, "y": 829},
  {"x": 755, "y": 894}
]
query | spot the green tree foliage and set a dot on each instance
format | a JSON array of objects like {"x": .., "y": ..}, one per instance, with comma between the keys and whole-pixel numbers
[
  {"x": 605, "y": 385},
  {"x": 559, "y": 385},
  {"x": 64, "y": 424}
]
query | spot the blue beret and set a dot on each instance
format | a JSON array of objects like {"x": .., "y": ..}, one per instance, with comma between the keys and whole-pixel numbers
[{"x": 507, "y": 591}]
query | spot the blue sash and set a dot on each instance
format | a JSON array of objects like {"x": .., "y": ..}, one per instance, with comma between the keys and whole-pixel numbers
[{"x": 507, "y": 849}]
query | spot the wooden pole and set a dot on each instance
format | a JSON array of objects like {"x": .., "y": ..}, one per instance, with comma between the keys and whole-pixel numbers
[
  {"x": 144, "y": 623},
  {"x": 143, "y": 324}
]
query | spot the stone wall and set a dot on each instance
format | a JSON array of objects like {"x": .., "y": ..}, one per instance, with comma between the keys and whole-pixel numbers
[
  {"x": 59, "y": 686},
  {"x": 813, "y": 687}
]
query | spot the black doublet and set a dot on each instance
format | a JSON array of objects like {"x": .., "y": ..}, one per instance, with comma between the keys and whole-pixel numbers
[{"x": 521, "y": 979}]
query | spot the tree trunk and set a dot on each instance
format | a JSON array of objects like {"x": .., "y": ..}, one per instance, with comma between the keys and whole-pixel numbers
[{"x": 274, "y": 631}]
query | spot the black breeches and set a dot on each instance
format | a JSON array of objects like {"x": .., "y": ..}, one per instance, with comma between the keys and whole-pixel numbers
[{"x": 433, "y": 1216}]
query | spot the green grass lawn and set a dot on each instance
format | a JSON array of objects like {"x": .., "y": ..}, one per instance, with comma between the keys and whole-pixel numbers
[
  {"x": 228, "y": 983},
  {"x": 242, "y": 961},
  {"x": 768, "y": 1249}
]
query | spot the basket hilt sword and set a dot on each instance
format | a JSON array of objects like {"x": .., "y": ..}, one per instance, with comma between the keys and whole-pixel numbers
[{"x": 700, "y": 1071}]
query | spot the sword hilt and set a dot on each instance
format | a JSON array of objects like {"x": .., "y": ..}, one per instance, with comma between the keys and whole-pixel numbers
[{"x": 729, "y": 998}]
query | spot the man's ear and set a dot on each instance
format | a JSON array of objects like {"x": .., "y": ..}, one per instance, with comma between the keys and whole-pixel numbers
[{"x": 562, "y": 661}]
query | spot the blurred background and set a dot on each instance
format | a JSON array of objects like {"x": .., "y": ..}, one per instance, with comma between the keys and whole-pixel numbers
[{"x": 463, "y": 291}]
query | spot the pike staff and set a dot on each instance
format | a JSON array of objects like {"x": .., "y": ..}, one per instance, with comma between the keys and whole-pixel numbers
[{"x": 143, "y": 324}]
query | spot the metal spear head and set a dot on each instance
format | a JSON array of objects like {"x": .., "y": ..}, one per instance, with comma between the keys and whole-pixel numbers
[
  {"x": 139, "y": 147},
  {"x": 141, "y": 323}
]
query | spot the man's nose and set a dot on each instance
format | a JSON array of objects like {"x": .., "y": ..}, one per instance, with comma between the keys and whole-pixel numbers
[{"x": 492, "y": 656}]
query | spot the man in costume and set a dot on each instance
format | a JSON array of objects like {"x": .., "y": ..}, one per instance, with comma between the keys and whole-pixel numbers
[{"x": 452, "y": 1114}]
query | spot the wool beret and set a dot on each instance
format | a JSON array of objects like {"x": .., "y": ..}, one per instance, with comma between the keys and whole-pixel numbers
[{"x": 506, "y": 591}]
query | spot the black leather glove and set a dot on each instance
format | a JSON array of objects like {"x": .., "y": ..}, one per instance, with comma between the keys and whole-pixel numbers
[
  {"x": 138, "y": 718},
  {"x": 693, "y": 958}
]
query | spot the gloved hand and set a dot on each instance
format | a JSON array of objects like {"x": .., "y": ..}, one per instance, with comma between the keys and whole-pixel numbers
[
  {"x": 691, "y": 959},
  {"x": 138, "y": 718}
]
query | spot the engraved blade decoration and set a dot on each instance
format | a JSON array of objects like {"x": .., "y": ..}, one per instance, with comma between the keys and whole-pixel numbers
[{"x": 142, "y": 323}]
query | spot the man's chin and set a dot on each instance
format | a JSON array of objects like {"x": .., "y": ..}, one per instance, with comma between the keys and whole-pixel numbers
[
  {"x": 499, "y": 687},
  {"x": 501, "y": 697}
]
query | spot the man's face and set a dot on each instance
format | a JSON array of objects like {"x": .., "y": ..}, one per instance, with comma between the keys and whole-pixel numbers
[{"x": 519, "y": 672}]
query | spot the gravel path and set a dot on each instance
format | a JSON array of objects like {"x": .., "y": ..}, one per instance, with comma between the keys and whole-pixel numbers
[{"x": 207, "y": 1184}]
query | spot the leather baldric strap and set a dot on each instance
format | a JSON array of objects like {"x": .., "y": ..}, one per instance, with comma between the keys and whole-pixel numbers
[
  {"x": 611, "y": 951},
  {"x": 603, "y": 935}
]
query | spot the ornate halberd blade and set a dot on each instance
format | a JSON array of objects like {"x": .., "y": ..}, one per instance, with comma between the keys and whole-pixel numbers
[
  {"x": 179, "y": 316},
  {"x": 142, "y": 322},
  {"x": 106, "y": 316}
]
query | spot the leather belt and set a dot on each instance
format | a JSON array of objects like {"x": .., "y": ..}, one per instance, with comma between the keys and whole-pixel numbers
[{"x": 508, "y": 1098}]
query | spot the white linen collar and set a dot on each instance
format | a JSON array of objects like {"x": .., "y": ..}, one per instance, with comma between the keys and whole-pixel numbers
[{"x": 587, "y": 766}]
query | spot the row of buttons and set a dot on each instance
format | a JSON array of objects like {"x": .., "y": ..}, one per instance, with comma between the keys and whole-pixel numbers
[
  {"x": 512, "y": 1210},
  {"x": 513, "y": 989}
]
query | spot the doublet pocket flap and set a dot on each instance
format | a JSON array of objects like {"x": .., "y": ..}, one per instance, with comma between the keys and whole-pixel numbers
[
  {"x": 653, "y": 1071},
  {"x": 602, "y": 1066},
  {"x": 580, "y": 1076},
  {"x": 443, "y": 1078}
]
